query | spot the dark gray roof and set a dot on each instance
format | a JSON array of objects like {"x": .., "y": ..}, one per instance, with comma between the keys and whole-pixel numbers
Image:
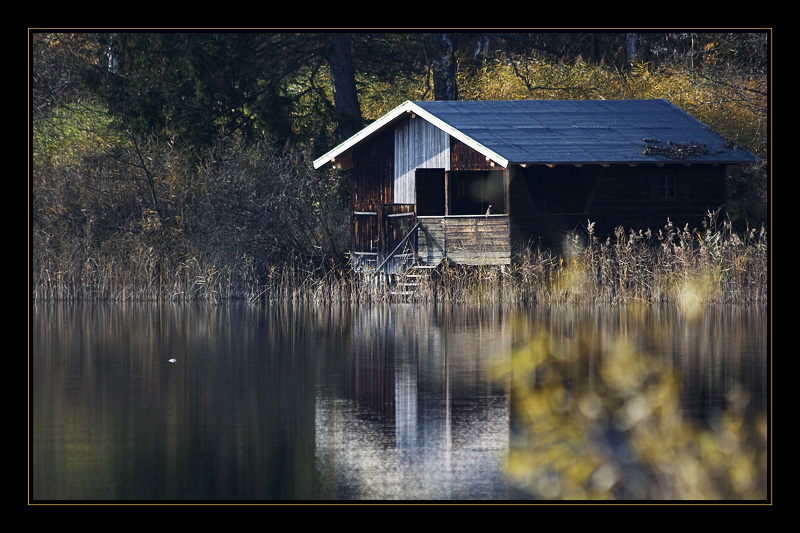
[
  {"x": 567, "y": 132},
  {"x": 587, "y": 131}
]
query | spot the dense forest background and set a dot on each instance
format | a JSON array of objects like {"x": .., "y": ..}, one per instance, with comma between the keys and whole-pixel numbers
[{"x": 177, "y": 165}]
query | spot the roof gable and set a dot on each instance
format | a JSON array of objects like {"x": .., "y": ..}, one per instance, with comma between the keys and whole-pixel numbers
[{"x": 567, "y": 132}]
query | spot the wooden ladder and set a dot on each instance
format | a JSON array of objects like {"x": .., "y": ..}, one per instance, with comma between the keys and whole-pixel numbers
[{"x": 407, "y": 285}]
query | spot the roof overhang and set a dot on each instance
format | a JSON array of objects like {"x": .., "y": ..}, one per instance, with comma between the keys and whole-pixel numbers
[
  {"x": 340, "y": 154},
  {"x": 626, "y": 132}
]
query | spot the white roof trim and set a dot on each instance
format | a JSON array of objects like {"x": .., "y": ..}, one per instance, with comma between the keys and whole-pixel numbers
[
  {"x": 406, "y": 107},
  {"x": 469, "y": 141}
]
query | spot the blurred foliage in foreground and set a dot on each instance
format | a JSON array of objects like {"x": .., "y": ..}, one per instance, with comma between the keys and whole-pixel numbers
[{"x": 597, "y": 417}]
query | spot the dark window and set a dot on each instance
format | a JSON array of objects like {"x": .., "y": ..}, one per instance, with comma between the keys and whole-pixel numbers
[
  {"x": 430, "y": 191},
  {"x": 663, "y": 187},
  {"x": 668, "y": 188},
  {"x": 476, "y": 192}
]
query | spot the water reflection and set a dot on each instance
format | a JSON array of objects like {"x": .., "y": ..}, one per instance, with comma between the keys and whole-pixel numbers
[
  {"x": 423, "y": 418},
  {"x": 334, "y": 403}
]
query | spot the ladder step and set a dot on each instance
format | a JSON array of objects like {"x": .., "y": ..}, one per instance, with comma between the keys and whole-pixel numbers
[{"x": 408, "y": 283}]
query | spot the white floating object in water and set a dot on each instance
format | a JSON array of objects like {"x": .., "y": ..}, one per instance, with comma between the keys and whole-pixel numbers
[{"x": 173, "y": 360}]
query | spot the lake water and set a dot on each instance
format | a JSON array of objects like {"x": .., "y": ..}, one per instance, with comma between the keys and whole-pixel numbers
[{"x": 241, "y": 402}]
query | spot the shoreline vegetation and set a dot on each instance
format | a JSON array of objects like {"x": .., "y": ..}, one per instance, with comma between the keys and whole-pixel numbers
[
  {"x": 139, "y": 192},
  {"x": 690, "y": 267}
]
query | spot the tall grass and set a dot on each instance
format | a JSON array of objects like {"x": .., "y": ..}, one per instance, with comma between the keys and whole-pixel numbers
[{"x": 685, "y": 266}]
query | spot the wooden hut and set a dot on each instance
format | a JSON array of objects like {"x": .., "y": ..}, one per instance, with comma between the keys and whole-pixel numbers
[{"x": 470, "y": 181}]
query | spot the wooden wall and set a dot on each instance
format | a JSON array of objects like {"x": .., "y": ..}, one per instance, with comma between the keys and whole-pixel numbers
[
  {"x": 542, "y": 204},
  {"x": 546, "y": 203},
  {"x": 418, "y": 144},
  {"x": 466, "y": 240},
  {"x": 462, "y": 157},
  {"x": 372, "y": 175}
]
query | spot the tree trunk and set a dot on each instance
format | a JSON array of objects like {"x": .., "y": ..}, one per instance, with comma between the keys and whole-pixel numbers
[
  {"x": 445, "y": 86},
  {"x": 632, "y": 47},
  {"x": 343, "y": 81}
]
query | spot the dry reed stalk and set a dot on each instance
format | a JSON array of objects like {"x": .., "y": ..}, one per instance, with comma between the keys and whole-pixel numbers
[{"x": 638, "y": 266}]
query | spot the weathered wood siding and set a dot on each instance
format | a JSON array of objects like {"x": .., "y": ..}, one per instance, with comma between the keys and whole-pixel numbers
[
  {"x": 466, "y": 240},
  {"x": 395, "y": 222},
  {"x": 377, "y": 231},
  {"x": 462, "y": 157},
  {"x": 372, "y": 175},
  {"x": 546, "y": 204},
  {"x": 629, "y": 196},
  {"x": 417, "y": 144},
  {"x": 535, "y": 205}
]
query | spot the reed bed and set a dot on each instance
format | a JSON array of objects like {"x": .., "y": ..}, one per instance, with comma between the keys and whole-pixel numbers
[{"x": 685, "y": 266}]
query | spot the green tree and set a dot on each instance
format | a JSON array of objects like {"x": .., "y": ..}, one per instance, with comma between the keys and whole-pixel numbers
[{"x": 191, "y": 86}]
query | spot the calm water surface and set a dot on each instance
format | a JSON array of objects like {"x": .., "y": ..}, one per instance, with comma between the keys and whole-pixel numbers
[{"x": 262, "y": 403}]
